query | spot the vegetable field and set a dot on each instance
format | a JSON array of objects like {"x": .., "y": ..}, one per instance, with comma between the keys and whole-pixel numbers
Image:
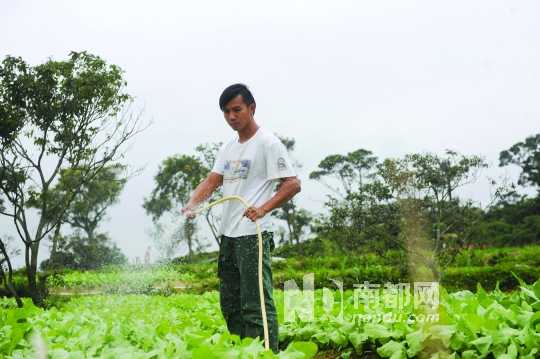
[{"x": 483, "y": 324}]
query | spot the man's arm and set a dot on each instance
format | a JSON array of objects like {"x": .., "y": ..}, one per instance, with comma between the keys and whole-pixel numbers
[
  {"x": 202, "y": 192},
  {"x": 287, "y": 189}
]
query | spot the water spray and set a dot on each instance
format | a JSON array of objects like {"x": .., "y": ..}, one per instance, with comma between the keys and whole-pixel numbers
[{"x": 259, "y": 235}]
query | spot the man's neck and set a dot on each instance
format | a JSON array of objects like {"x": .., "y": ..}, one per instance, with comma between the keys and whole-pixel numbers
[{"x": 247, "y": 132}]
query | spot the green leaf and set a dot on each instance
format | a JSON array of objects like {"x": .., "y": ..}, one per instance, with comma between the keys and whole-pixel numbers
[
  {"x": 536, "y": 288},
  {"x": 442, "y": 332},
  {"x": 203, "y": 352},
  {"x": 414, "y": 341},
  {"x": 512, "y": 351},
  {"x": 482, "y": 344},
  {"x": 358, "y": 340},
  {"x": 377, "y": 331},
  {"x": 469, "y": 354},
  {"x": 535, "y": 320},
  {"x": 392, "y": 350},
  {"x": 300, "y": 350},
  {"x": 338, "y": 338}
]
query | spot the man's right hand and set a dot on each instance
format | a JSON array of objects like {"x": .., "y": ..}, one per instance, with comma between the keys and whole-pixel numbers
[
  {"x": 201, "y": 193},
  {"x": 187, "y": 211}
]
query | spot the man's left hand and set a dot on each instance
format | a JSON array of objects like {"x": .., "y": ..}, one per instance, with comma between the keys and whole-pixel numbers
[{"x": 254, "y": 213}]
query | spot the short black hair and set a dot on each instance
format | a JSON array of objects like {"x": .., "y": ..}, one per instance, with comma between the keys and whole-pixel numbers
[{"x": 234, "y": 90}]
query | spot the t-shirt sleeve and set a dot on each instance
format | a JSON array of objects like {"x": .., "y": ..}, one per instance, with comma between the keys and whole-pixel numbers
[
  {"x": 219, "y": 162},
  {"x": 278, "y": 162}
]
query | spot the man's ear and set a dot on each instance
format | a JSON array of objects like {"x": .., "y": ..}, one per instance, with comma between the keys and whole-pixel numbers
[{"x": 252, "y": 108}]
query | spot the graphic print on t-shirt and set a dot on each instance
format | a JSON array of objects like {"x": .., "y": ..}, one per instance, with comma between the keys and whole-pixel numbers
[
  {"x": 236, "y": 170},
  {"x": 282, "y": 166}
]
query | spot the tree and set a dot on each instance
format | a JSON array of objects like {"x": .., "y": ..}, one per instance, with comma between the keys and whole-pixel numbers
[
  {"x": 349, "y": 170},
  {"x": 352, "y": 171},
  {"x": 296, "y": 219},
  {"x": 366, "y": 218},
  {"x": 10, "y": 124},
  {"x": 177, "y": 177},
  {"x": 526, "y": 155},
  {"x": 88, "y": 207},
  {"x": 56, "y": 115},
  {"x": 438, "y": 177},
  {"x": 80, "y": 252},
  {"x": 165, "y": 245},
  {"x": 349, "y": 204},
  {"x": 207, "y": 155},
  {"x": 86, "y": 211},
  {"x": 424, "y": 186},
  {"x": 6, "y": 269}
]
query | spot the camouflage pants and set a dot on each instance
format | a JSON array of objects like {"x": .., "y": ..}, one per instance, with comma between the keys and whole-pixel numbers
[{"x": 239, "y": 286}]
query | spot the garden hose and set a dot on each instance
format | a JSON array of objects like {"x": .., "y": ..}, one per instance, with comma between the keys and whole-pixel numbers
[{"x": 259, "y": 235}]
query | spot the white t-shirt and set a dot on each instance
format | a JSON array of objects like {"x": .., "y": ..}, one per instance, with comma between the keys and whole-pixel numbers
[{"x": 250, "y": 170}]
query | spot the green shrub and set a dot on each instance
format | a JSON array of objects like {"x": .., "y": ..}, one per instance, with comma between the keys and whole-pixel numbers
[{"x": 468, "y": 277}]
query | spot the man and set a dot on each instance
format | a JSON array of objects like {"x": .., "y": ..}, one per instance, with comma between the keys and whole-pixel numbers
[{"x": 249, "y": 166}]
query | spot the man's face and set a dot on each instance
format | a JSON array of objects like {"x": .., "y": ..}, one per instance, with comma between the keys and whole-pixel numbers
[{"x": 237, "y": 113}]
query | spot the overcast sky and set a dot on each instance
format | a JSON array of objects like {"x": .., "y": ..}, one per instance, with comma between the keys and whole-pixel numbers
[{"x": 392, "y": 77}]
